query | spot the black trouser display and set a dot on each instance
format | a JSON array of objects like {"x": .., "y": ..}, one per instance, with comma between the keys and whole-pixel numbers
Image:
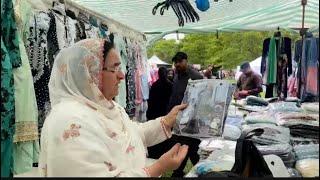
[{"x": 158, "y": 150}]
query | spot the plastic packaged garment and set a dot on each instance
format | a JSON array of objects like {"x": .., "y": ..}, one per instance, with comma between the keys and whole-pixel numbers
[
  {"x": 254, "y": 108},
  {"x": 208, "y": 101},
  {"x": 234, "y": 120},
  {"x": 215, "y": 149},
  {"x": 256, "y": 101},
  {"x": 272, "y": 134},
  {"x": 311, "y": 107},
  {"x": 306, "y": 151},
  {"x": 300, "y": 141},
  {"x": 261, "y": 117},
  {"x": 231, "y": 132},
  {"x": 210, "y": 166},
  {"x": 308, "y": 167},
  {"x": 285, "y": 107},
  {"x": 284, "y": 151}
]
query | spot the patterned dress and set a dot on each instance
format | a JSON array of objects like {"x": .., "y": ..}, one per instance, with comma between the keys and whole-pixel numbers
[{"x": 10, "y": 58}]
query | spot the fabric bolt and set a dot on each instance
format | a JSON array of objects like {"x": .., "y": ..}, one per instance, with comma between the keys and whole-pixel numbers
[
  {"x": 26, "y": 137},
  {"x": 91, "y": 119},
  {"x": 10, "y": 59}
]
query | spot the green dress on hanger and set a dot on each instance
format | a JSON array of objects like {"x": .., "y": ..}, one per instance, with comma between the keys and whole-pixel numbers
[
  {"x": 10, "y": 58},
  {"x": 26, "y": 137}
]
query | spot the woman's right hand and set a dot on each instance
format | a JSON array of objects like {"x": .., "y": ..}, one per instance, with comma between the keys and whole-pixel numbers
[{"x": 171, "y": 160}]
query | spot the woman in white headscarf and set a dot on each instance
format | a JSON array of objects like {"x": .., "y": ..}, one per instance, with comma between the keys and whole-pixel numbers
[{"x": 88, "y": 134}]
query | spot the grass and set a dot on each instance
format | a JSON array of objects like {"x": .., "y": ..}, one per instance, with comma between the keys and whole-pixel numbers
[{"x": 186, "y": 169}]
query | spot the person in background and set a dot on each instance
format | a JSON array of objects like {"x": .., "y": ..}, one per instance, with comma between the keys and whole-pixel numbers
[
  {"x": 249, "y": 83},
  {"x": 208, "y": 72},
  {"x": 184, "y": 72},
  {"x": 170, "y": 75},
  {"x": 159, "y": 95}
]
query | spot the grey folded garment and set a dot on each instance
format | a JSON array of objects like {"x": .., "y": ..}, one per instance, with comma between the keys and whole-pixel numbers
[
  {"x": 302, "y": 141},
  {"x": 306, "y": 151},
  {"x": 284, "y": 151},
  {"x": 256, "y": 101},
  {"x": 272, "y": 134}
]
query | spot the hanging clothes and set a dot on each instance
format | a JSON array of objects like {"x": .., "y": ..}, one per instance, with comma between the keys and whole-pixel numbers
[
  {"x": 42, "y": 45},
  {"x": 282, "y": 51},
  {"x": 26, "y": 137},
  {"x": 309, "y": 69},
  {"x": 130, "y": 80},
  {"x": 121, "y": 48},
  {"x": 10, "y": 59}
]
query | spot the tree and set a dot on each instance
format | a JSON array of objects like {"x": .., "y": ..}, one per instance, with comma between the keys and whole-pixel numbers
[
  {"x": 228, "y": 49},
  {"x": 164, "y": 49}
]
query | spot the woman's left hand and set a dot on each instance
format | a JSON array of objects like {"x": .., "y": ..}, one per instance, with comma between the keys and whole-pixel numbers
[{"x": 170, "y": 118}]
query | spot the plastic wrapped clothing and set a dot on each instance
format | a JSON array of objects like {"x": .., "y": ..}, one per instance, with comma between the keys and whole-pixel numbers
[
  {"x": 300, "y": 141},
  {"x": 306, "y": 151},
  {"x": 213, "y": 166},
  {"x": 256, "y": 101},
  {"x": 284, "y": 151},
  {"x": 231, "y": 132},
  {"x": 261, "y": 117},
  {"x": 285, "y": 107},
  {"x": 215, "y": 149},
  {"x": 208, "y": 101},
  {"x": 272, "y": 134},
  {"x": 305, "y": 131},
  {"x": 308, "y": 167},
  {"x": 311, "y": 107},
  {"x": 234, "y": 120}
]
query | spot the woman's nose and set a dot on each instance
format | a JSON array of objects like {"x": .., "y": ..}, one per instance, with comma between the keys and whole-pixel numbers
[{"x": 120, "y": 75}]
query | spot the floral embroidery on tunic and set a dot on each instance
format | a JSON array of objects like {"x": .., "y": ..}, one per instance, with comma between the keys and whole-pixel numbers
[
  {"x": 72, "y": 132},
  {"x": 110, "y": 166},
  {"x": 130, "y": 149}
]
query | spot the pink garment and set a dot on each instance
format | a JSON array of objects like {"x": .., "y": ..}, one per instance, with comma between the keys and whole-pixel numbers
[
  {"x": 312, "y": 80},
  {"x": 154, "y": 76},
  {"x": 292, "y": 86},
  {"x": 137, "y": 78}
]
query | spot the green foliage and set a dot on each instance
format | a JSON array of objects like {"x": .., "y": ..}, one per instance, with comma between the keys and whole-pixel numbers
[{"x": 228, "y": 50}]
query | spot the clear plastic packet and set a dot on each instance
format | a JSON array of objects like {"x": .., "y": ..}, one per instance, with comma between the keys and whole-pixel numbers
[
  {"x": 261, "y": 117},
  {"x": 306, "y": 151},
  {"x": 285, "y": 107},
  {"x": 208, "y": 101}
]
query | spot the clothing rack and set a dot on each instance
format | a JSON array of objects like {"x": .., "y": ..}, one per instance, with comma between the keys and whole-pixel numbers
[{"x": 113, "y": 25}]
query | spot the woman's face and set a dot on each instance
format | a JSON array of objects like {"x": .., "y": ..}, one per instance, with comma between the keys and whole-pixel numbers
[{"x": 112, "y": 75}]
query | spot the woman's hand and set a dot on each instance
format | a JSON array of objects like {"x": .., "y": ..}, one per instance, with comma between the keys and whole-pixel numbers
[
  {"x": 171, "y": 160},
  {"x": 170, "y": 118}
]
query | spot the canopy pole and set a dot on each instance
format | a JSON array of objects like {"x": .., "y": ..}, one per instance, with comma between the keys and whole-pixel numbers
[{"x": 302, "y": 34}]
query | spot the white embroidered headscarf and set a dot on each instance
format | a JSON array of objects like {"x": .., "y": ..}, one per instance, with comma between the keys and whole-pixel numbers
[{"x": 77, "y": 74}]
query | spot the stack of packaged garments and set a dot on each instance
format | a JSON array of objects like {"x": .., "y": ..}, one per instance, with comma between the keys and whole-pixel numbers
[
  {"x": 261, "y": 117},
  {"x": 307, "y": 159},
  {"x": 274, "y": 140},
  {"x": 285, "y": 107},
  {"x": 301, "y": 125},
  {"x": 221, "y": 158}
]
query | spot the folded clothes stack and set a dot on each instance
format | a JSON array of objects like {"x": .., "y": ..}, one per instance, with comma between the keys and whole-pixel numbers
[
  {"x": 261, "y": 117},
  {"x": 285, "y": 107},
  {"x": 274, "y": 140},
  {"x": 311, "y": 107},
  {"x": 301, "y": 125}
]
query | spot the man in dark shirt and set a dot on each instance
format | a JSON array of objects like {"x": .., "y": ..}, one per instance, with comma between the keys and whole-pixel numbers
[{"x": 249, "y": 82}]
